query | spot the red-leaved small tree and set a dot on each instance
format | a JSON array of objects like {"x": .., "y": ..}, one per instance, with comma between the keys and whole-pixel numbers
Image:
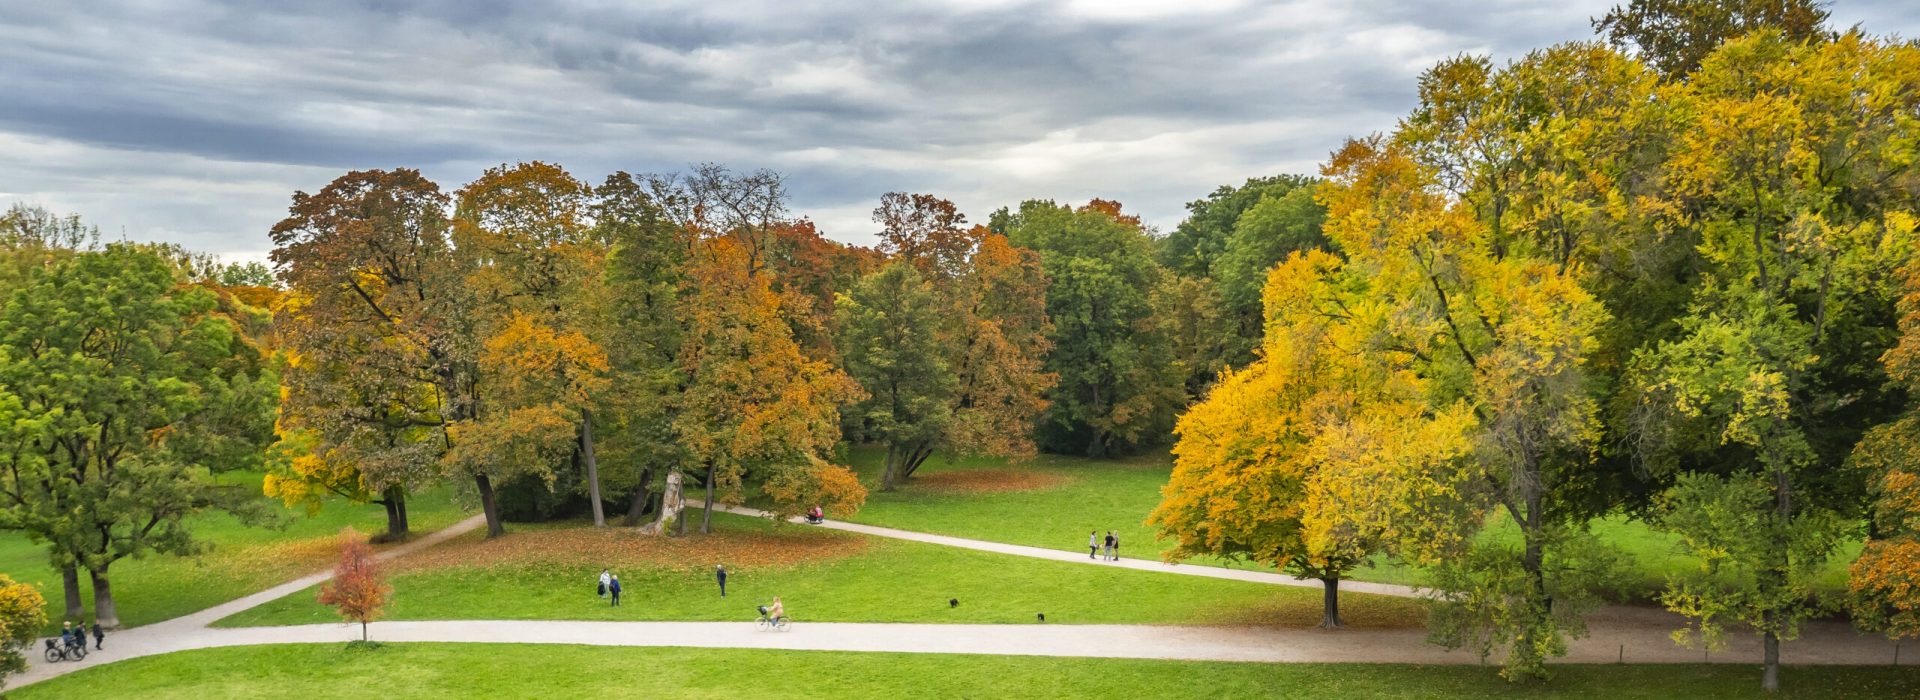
[{"x": 359, "y": 589}]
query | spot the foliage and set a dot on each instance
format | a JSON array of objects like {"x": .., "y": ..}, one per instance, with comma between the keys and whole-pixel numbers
[
  {"x": 1794, "y": 163},
  {"x": 1674, "y": 36},
  {"x": 754, "y": 403},
  {"x": 1117, "y": 388},
  {"x": 371, "y": 322},
  {"x": 358, "y": 590},
  {"x": 890, "y": 343},
  {"x": 22, "y": 614},
  {"x": 127, "y": 392}
]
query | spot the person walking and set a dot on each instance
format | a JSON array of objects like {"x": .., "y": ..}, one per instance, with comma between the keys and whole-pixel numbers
[
  {"x": 1116, "y": 546},
  {"x": 1093, "y": 543},
  {"x": 720, "y": 574},
  {"x": 99, "y": 635},
  {"x": 613, "y": 586},
  {"x": 1106, "y": 547},
  {"x": 604, "y": 578},
  {"x": 67, "y": 636}
]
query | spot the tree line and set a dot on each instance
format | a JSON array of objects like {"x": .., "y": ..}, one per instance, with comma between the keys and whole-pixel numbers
[{"x": 1671, "y": 276}]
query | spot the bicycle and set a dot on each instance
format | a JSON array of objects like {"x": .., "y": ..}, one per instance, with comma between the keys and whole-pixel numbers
[
  {"x": 781, "y": 623},
  {"x": 58, "y": 652}
]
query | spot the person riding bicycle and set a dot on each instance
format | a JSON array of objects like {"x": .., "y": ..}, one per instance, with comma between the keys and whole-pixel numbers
[
  {"x": 775, "y": 611},
  {"x": 816, "y": 516}
]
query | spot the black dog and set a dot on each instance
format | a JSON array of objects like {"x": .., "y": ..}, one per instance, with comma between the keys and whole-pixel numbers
[
  {"x": 953, "y": 602},
  {"x": 1040, "y": 616}
]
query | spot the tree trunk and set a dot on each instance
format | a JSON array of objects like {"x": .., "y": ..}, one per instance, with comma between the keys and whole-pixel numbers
[
  {"x": 363, "y": 630},
  {"x": 886, "y": 474},
  {"x": 394, "y": 499},
  {"x": 916, "y": 458},
  {"x": 489, "y": 506},
  {"x": 1330, "y": 594},
  {"x": 679, "y": 524},
  {"x": 104, "y": 614},
  {"x": 593, "y": 467},
  {"x": 70, "y": 583},
  {"x": 706, "y": 516},
  {"x": 637, "y": 507},
  {"x": 1770, "y": 678}
]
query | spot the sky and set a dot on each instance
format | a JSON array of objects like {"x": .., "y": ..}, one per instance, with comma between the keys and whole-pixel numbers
[{"x": 194, "y": 121}]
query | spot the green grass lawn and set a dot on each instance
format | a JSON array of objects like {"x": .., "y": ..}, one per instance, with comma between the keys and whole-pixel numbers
[
  {"x": 397, "y": 671},
  {"x": 242, "y": 559},
  {"x": 1119, "y": 494},
  {"x": 886, "y": 581}
]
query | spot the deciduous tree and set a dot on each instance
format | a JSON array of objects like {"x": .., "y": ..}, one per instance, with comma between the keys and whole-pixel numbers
[
  {"x": 373, "y": 325},
  {"x": 358, "y": 590}
]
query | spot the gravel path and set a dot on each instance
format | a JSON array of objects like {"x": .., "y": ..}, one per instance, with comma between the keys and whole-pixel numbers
[{"x": 1619, "y": 633}]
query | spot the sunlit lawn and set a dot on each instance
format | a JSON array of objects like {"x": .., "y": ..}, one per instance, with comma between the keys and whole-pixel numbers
[
  {"x": 536, "y": 573},
  {"x": 1119, "y": 494},
  {"x": 398, "y": 671},
  {"x": 242, "y": 559}
]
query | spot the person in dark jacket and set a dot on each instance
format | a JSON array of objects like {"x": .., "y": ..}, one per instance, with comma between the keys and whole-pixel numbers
[
  {"x": 614, "y": 588},
  {"x": 720, "y": 574},
  {"x": 99, "y": 635}
]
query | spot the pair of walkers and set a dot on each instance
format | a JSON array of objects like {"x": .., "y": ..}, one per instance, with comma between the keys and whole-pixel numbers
[
  {"x": 609, "y": 584},
  {"x": 1107, "y": 549},
  {"x": 76, "y": 635}
]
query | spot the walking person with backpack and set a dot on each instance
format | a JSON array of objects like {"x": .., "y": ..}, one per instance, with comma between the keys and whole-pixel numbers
[
  {"x": 613, "y": 587},
  {"x": 604, "y": 579}
]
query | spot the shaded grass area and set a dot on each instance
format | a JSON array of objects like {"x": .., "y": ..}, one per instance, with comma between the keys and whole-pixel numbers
[
  {"x": 397, "y": 671},
  {"x": 1119, "y": 495},
  {"x": 843, "y": 578},
  {"x": 241, "y": 559}
]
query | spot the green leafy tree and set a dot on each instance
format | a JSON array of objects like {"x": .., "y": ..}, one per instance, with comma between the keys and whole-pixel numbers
[
  {"x": 113, "y": 365},
  {"x": 1795, "y": 167},
  {"x": 1118, "y": 386},
  {"x": 890, "y": 343},
  {"x": 642, "y": 313}
]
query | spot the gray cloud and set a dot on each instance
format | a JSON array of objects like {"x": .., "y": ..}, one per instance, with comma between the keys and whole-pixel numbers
[{"x": 194, "y": 120}]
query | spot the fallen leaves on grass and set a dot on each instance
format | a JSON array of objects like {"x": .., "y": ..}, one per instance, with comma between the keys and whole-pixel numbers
[
  {"x": 621, "y": 548},
  {"x": 988, "y": 481}
]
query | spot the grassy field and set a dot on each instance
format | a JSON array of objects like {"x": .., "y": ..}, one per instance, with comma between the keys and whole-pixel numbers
[
  {"x": 242, "y": 559},
  {"x": 1076, "y": 495},
  {"x": 547, "y": 573},
  {"x": 397, "y": 671}
]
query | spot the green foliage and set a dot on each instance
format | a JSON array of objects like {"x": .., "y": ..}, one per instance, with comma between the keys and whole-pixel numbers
[
  {"x": 129, "y": 391},
  {"x": 889, "y": 342},
  {"x": 1117, "y": 386}
]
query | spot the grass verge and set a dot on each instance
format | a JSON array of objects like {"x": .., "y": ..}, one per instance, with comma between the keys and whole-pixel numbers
[{"x": 399, "y": 671}]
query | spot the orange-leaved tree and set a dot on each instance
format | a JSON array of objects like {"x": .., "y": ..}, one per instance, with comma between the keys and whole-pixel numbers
[
  {"x": 359, "y": 589},
  {"x": 755, "y": 404}
]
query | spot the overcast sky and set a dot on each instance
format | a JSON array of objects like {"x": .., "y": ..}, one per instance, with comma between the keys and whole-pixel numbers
[{"x": 194, "y": 121}]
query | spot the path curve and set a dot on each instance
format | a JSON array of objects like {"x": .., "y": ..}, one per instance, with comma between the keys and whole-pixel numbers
[
  {"x": 162, "y": 637},
  {"x": 1019, "y": 550}
]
